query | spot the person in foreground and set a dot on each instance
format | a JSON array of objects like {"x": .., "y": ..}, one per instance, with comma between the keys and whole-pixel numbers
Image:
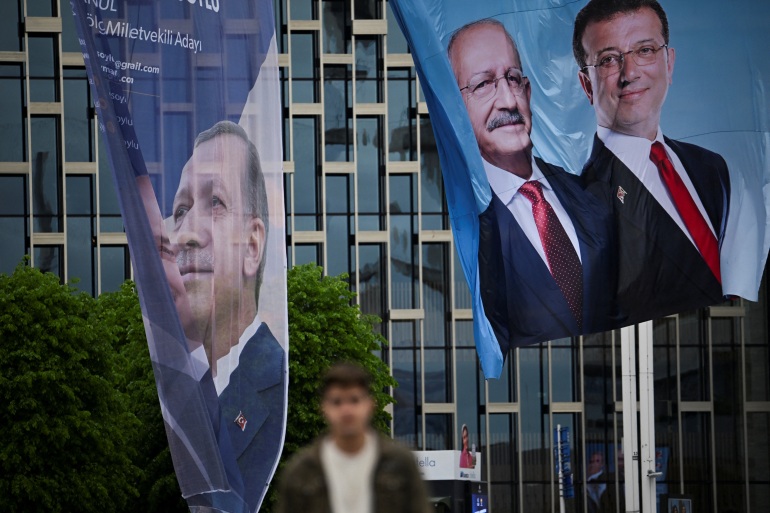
[
  {"x": 351, "y": 469},
  {"x": 544, "y": 258},
  {"x": 670, "y": 200}
]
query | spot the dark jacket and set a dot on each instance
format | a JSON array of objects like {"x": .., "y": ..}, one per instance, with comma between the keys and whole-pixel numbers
[
  {"x": 660, "y": 272},
  {"x": 398, "y": 486}
]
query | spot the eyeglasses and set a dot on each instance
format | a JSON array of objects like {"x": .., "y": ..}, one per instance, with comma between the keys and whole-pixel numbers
[
  {"x": 611, "y": 63},
  {"x": 485, "y": 88}
]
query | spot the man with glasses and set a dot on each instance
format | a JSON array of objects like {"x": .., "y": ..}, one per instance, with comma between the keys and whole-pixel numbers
[
  {"x": 351, "y": 469},
  {"x": 544, "y": 266},
  {"x": 669, "y": 199}
]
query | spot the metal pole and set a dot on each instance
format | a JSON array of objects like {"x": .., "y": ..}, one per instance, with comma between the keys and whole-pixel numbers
[
  {"x": 647, "y": 417},
  {"x": 630, "y": 436}
]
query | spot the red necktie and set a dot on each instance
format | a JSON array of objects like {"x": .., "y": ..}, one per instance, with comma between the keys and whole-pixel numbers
[
  {"x": 697, "y": 226},
  {"x": 562, "y": 258}
]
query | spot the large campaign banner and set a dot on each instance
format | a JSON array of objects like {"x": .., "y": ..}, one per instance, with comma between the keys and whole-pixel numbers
[
  {"x": 606, "y": 162},
  {"x": 187, "y": 97}
]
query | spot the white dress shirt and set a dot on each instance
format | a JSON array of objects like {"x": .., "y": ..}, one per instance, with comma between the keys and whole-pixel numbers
[
  {"x": 634, "y": 152},
  {"x": 506, "y": 186}
]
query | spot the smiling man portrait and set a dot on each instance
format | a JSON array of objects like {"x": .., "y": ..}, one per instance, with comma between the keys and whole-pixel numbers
[
  {"x": 544, "y": 266},
  {"x": 669, "y": 199}
]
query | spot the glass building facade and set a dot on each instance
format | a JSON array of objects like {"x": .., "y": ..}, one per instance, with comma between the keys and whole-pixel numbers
[{"x": 364, "y": 196}]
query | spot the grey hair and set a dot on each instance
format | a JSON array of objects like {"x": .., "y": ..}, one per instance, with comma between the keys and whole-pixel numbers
[{"x": 478, "y": 23}]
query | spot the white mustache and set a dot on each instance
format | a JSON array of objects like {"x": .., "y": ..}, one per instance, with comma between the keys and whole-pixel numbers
[{"x": 507, "y": 118}]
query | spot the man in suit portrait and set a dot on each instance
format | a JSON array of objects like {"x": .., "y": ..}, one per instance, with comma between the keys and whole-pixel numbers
[
  {"x": 544, "y": 266},
  {"x": 218, "y": 232},
  {"x": 669, "y": 199}
]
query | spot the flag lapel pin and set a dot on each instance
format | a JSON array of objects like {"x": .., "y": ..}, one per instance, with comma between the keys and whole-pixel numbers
[
  {"x": 621, "y": 194},
  {"x": 240, "y": 420}
]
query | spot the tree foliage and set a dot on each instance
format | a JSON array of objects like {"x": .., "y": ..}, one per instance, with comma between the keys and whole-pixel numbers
[
  {"x": 65, "y": 430},
  {"x": 80, "y": 422}
]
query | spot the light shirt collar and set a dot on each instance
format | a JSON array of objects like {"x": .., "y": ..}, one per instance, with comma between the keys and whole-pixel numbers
[
  {"x": 506, "y": 184},
  {"x": 229, "y": 362},
  {"x": 633, "y": 151}
]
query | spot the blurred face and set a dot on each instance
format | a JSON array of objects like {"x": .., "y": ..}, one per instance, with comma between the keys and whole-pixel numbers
[
  {"x": 465, "y": 439},
  {"x": 348, "y": 411},
  {"x": 631, "y": 100},
  {"x": 216, "y": 239},
  {"x": 595, "y": 464},
  {"x": 502, "y": 122}
]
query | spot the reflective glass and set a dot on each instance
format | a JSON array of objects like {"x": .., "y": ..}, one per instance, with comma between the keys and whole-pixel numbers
[
  {"x": 503, "y": 390},
  {"x": 109, "y": 215},
  {"x": 281, "y": 25},
  {"x": 371, "y": 279},
  {"x": 758, "y": 426},
  {"x": 404, "y": 334},
  {"x": 41, "y": 8},
  {"x": 396, "y": 39},
  {"x": 10, "y": 18},
  {"x": 115, "y": 267},
  {"x": 402, "y": 111},
  {"x": 403, "y": 263},
  {"x": 69, "y": 34},
  {"x": 78, "y": 123},
  {"x": 469, "y": 388},
  {"x": 432, "y": 183},
  {"x": 304, "y": 72},
  {"x": 368, "y": 72},
  {"x": 306, "y": 172},
  {"x": 338, "y": 231},
  {"x": 81, "y": 233},
  {"x": 307, "y": 254},
  {"x": 693, "y": 358},
  {"x": 367, "y": 9},
  {"x": 43, "y": 69},
  {"x": 696, "y": 463},
  {"x": 336, "y": 26},
  {"x": 303, "y": 9},
  {"x": 565, "y": 367},
  {"x": 438, "y": 432},
  {"x": 438, "y": 372},
  {"x": 435, "y": 292},
  {"x": 338, "y": 123},
  {"x": 462, "y": 292},
  {"x": 406, "y": 371},
  {"x": 13, "y": 221},
  {"x": 49, "y": 259},
  {"x": 369, "y": 172},
  {"x": 46, "y": 174},
  {"x": 12, "y": 119}
]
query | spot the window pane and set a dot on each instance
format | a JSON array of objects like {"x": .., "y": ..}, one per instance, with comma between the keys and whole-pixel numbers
[
  {"x": 369, "y": 172},
  {"x": 438, "y": 372},
  {"x": 303, "y": 9},
  {"x": 12, "y": 122},
  {"x": 306, "y": 174},
  {"x": 46, "y": 174},
  {"x": 368, "y": 73},
  {"x": 396, "y": 39},
  {"x": 13, "y": 222},
  {"x": 503, "y": 462},
  {"x": 758, "y": 425},
  {"x": 433, "y": 202},
  {"x": 438, "y": 432},
  {"x": 336, "y": 26},
  {"x": 435, "y": 292},
  {"x": 49, "y": 259},
  {"x": 338, "y": 124},
  {"x": 43, "y": 68},
  {"x": 78, "y": 126},
  {"x": 307, "y": 254},
  {"x": 10, "y": 40},
  {"x": 371, "y": 279},
  {"x": 303, "y": 67},
  {"x": 115, "y": 268},
  {"x": 402, "y": 111},
  {"x": 406, "y": 371},
  {"x": 367, "y": 9}
]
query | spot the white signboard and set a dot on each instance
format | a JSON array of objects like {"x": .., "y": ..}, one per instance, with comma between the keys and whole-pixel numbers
[{"x": 449, "y": 465}]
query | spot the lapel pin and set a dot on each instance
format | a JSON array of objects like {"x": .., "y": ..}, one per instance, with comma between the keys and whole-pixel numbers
[
  {"x": 241, "y": 421},
  {"x": 621, "y": 194}
]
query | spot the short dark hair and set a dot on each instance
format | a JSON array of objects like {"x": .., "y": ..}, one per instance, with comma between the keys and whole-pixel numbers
[
  {"x": 603, "y": 10},
  {"x": 346, "y": 375},
  {"x": 255, "y": 192},
  {"x": 478, "y": 23}
]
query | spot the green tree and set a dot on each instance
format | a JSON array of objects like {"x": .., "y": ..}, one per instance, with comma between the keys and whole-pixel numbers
[
  {"x": 325, "y": 326},
  {"x": 65, "y": 430},
  {"x": 158, "y": 489}
]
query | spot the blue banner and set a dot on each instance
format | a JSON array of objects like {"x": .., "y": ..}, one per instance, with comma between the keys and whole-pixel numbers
[
  {"x": 605, "y": 162},
  {"x": 188, "y": 102}
]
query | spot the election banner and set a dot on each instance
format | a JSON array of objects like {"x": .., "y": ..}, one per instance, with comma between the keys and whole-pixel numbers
[
  {"x": 187, "y": 97},
  {"x": 605, "y": 162}
]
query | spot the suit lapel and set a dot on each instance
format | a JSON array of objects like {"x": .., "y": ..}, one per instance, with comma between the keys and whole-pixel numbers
[{"x": 257, "y": 370}]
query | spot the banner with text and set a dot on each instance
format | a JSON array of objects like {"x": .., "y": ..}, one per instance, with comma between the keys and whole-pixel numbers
[
  {"x": 597, "y": 174},
  {"x": 188, "y": 102}
]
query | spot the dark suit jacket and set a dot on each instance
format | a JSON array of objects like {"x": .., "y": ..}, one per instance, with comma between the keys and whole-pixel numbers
[
  {"x": 521, "y": 299},
  {"x": 660, "y": 272},
  {"x": 257, "y": 389}
]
